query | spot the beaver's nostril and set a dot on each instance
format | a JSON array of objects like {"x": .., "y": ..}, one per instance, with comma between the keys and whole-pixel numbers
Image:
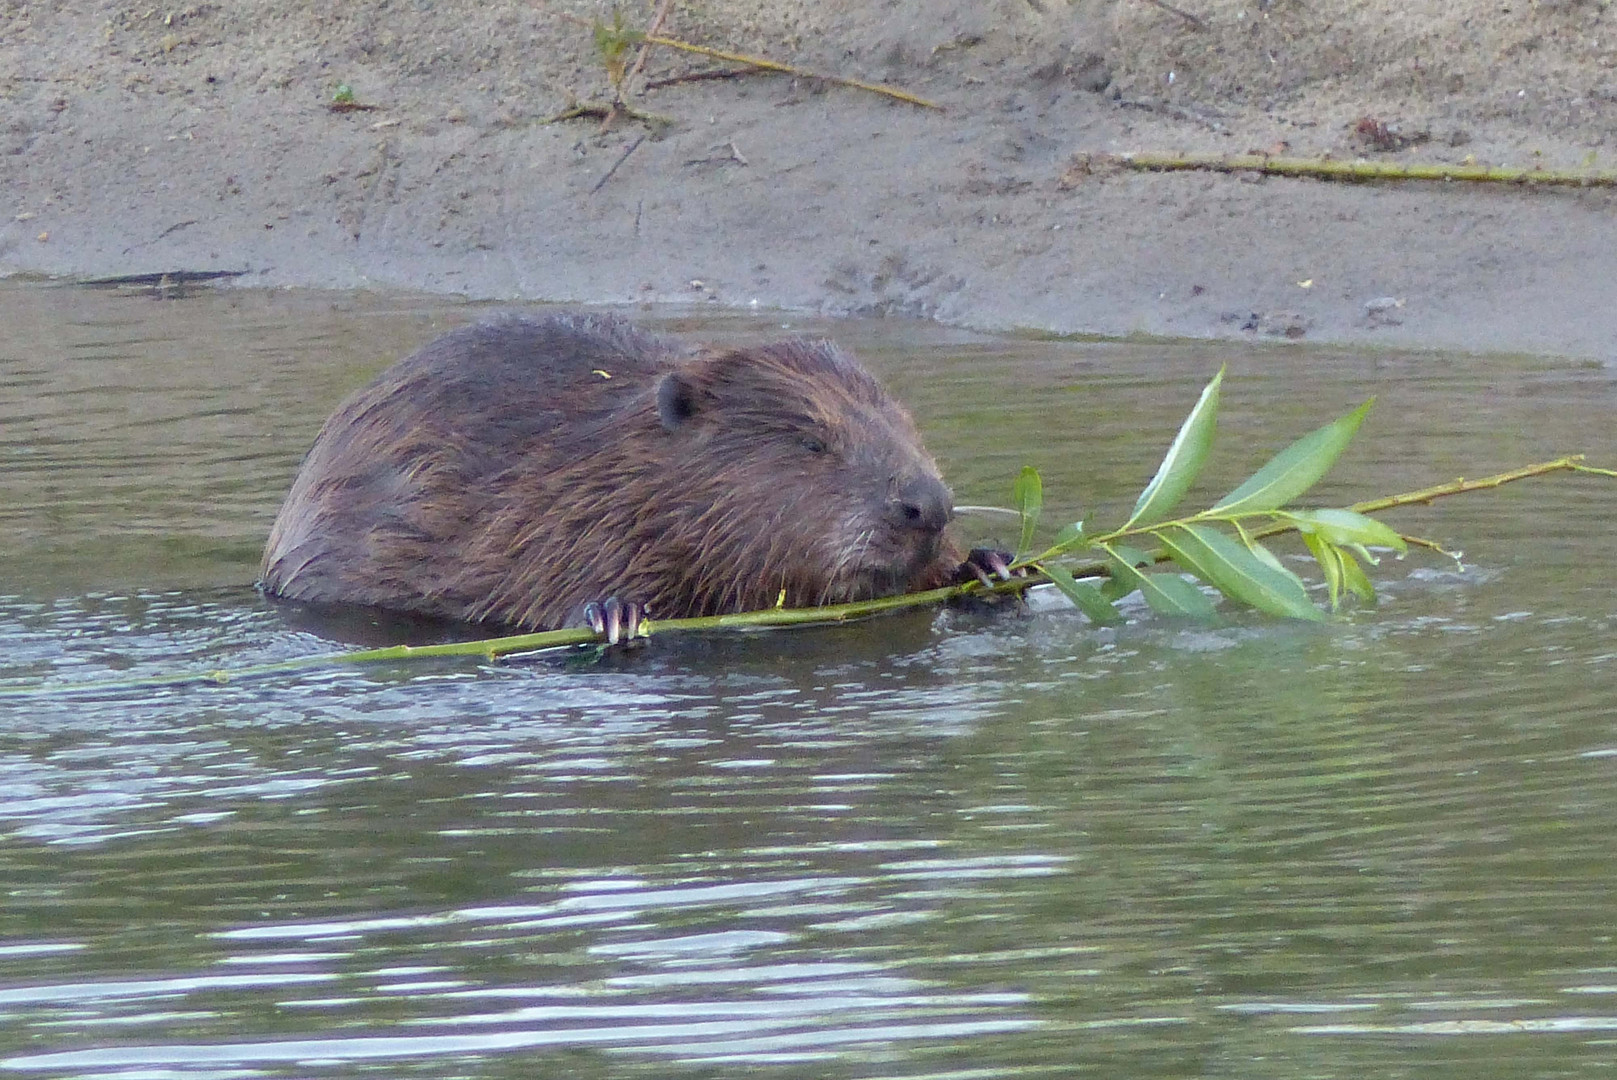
[{"x": 922, "y": 503}]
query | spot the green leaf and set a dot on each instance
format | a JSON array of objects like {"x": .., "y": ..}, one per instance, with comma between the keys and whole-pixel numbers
[
  {"x": 1354, "y": 578},
  {"x": 1256, "y": 547},
  {"x": 1183, "y": 460},
  {"x": 1348, "y": 527},
  {"x": 1225, "y": 563},
  {"x": 1070, "y": 538},
  {"x": 1115, "y": 588},
  {"x": 1028, "y": 495},
  {"x": 1295, "y": 469},
  {"x": 1168, "y": 594},
  {"x": 1085, "y": 596},
  {"x": 1131, "y": 555},
  {"x": 1364, "y": 553},
  {"x": 1342, "y": 570},
  {"x": 1329, "y": 557}
]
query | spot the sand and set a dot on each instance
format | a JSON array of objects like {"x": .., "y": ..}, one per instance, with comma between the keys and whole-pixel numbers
[{"x": 200, "y": 137}]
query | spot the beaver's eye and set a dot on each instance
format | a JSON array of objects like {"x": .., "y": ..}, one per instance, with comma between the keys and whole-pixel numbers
[{"x": 813, "y": 444}]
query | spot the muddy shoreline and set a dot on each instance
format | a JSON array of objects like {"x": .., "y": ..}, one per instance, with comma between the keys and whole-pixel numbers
[{"x": 202, "y": 138}]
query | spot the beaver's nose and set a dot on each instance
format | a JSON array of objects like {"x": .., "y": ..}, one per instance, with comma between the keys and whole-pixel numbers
[{"x": 921, "y": 502}]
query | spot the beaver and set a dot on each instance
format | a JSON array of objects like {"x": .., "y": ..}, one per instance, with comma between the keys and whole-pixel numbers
[{"x": 541, "y": 472}]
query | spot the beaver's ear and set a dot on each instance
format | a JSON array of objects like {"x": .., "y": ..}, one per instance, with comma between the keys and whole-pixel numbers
[{"x": 678, "y": 399}]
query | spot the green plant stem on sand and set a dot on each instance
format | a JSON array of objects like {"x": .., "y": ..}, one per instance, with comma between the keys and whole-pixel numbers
[
  {"x": 1333, "y": 169},
  {"x": 493, "y": 648},
  {"x": 759, "y": 62}
]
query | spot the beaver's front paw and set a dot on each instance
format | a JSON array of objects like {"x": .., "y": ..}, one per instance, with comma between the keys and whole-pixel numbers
[
  {"x": 986, "y": 564},
  {"x": 613, "y": 619}
]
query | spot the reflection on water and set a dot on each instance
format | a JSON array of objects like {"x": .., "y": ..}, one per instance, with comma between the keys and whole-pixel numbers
[{"x": 946, "y": 844}]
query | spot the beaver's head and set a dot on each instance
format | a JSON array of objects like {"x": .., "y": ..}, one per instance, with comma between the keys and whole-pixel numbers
[{"x": 803, "y": 474}]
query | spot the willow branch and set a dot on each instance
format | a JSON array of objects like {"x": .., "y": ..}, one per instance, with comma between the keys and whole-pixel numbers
[
  {"x": 1458, "y": 486},
  {"x": 497, "y": 647},
  {"x": 493, "y": 648}
]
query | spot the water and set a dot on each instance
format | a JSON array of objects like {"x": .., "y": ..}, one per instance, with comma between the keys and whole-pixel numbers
[{"x": 949, "y": 844}]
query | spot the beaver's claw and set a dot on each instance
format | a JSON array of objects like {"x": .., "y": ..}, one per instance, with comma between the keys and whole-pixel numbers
[
  {"x": 613, "y": 619},
  {"x": 985, "y": 564}
]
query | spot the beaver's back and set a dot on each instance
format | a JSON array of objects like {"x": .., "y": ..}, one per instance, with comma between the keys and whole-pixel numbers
[
  {"x": 515, "y": 471},
  {"x": 407, "y": 466}
]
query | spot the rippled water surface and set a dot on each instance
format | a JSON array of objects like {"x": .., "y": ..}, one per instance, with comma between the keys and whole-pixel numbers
[{"x": 951, "y": 844}]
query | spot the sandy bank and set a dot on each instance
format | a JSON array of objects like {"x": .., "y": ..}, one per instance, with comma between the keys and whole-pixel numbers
[{"x": 199, "y": 137}]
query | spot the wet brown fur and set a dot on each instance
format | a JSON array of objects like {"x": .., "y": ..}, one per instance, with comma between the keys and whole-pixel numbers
[{"x": 512, "y": 471}]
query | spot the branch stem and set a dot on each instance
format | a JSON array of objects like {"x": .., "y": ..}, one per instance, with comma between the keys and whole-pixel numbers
[
  {"x": 1457, "y": 486},
  {"x": 493, "y": 648}
]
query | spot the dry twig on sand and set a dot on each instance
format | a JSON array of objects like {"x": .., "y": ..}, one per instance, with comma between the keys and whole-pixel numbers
[
  {"x": 652, "y": 37},
  {"x": 788, "y": 69},
  {"x": 1324, "y": 168},
  {"x": 1196, "y": 21}
]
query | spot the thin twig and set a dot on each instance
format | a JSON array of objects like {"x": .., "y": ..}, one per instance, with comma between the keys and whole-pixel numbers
[
  {"x": 1460, "y": 485},
  {"x": 1325, "y": 168},
  {"x": 734, "y": 156},
  {"x": 1194, "y": 20},
  {"x": 788, "y": 69},
  {"x": 1430, "y": 545},
  {"x": 656, "y": 27},
  {"x": 578, "y": 110},
  {"x": 599, "y": 184},
  {"x": 702, "y": 76},
  {"x": 772, "y": 65},
  {"x": 1457, "y": 486}
]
